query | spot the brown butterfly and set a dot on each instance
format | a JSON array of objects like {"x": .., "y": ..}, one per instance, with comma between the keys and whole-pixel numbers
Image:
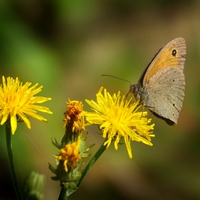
[{"x": 161, "y": 87}]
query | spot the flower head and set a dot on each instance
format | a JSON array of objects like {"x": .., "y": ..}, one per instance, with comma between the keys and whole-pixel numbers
[
  {"x": 74, "y": 116},
  {"x": 118, "y": 119},
  {"x": 17, "y": 101},
  {"x": 69, "y": 155}
]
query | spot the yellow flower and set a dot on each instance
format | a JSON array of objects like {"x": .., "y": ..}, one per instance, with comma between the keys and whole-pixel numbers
[
  {"x": 69, "y": 155},
  {"x": 17, "y": 101},
  {"x": 118, "y": 119},
  {"x": 74, "y": 116}
]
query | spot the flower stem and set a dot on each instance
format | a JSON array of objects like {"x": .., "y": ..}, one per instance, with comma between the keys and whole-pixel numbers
[
  {"x": 11, "y": 161},
  {"x": 63, "y": 193},
  {"x": 92, "y": 162}
]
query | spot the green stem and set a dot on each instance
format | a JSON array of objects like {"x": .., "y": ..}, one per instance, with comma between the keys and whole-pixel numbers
[
  {"x": 63, "y": 193},
  {"x": 92, "y": 162},
  {"x": 11, "y": 161}
]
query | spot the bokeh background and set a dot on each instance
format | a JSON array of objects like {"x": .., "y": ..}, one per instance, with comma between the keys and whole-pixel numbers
[{"x": 66, "y": 46}]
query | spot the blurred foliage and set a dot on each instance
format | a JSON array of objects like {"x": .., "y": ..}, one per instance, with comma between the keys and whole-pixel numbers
[{"x": 66, "y": 46}]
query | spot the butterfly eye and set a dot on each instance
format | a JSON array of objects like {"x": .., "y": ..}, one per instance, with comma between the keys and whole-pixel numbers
[{"x": 174, "y": 52}]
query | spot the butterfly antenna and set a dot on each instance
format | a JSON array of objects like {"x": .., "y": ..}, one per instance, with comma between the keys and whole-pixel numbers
[{"x": 116, "y": 78}]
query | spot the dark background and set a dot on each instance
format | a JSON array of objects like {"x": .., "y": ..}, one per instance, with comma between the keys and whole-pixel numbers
[{"x": 66, "y": 46}]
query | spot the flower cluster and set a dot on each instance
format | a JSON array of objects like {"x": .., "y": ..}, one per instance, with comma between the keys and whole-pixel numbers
[
  {"x": 72, "y": 147},
  {"x": 118, "y": 119}
]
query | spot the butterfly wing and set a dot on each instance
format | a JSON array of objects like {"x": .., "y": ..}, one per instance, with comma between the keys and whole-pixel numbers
[
  {"x": 163, "y": 81},
  {"x": 172, "y": 54},
  {"x": 165, "y": 94}
]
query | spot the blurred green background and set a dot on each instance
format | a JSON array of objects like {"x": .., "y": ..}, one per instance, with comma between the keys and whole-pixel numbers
[{"x": 66, "y": 46}]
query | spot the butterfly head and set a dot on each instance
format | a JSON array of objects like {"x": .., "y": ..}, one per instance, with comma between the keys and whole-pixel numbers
[{"x": 135, "y": 89}]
